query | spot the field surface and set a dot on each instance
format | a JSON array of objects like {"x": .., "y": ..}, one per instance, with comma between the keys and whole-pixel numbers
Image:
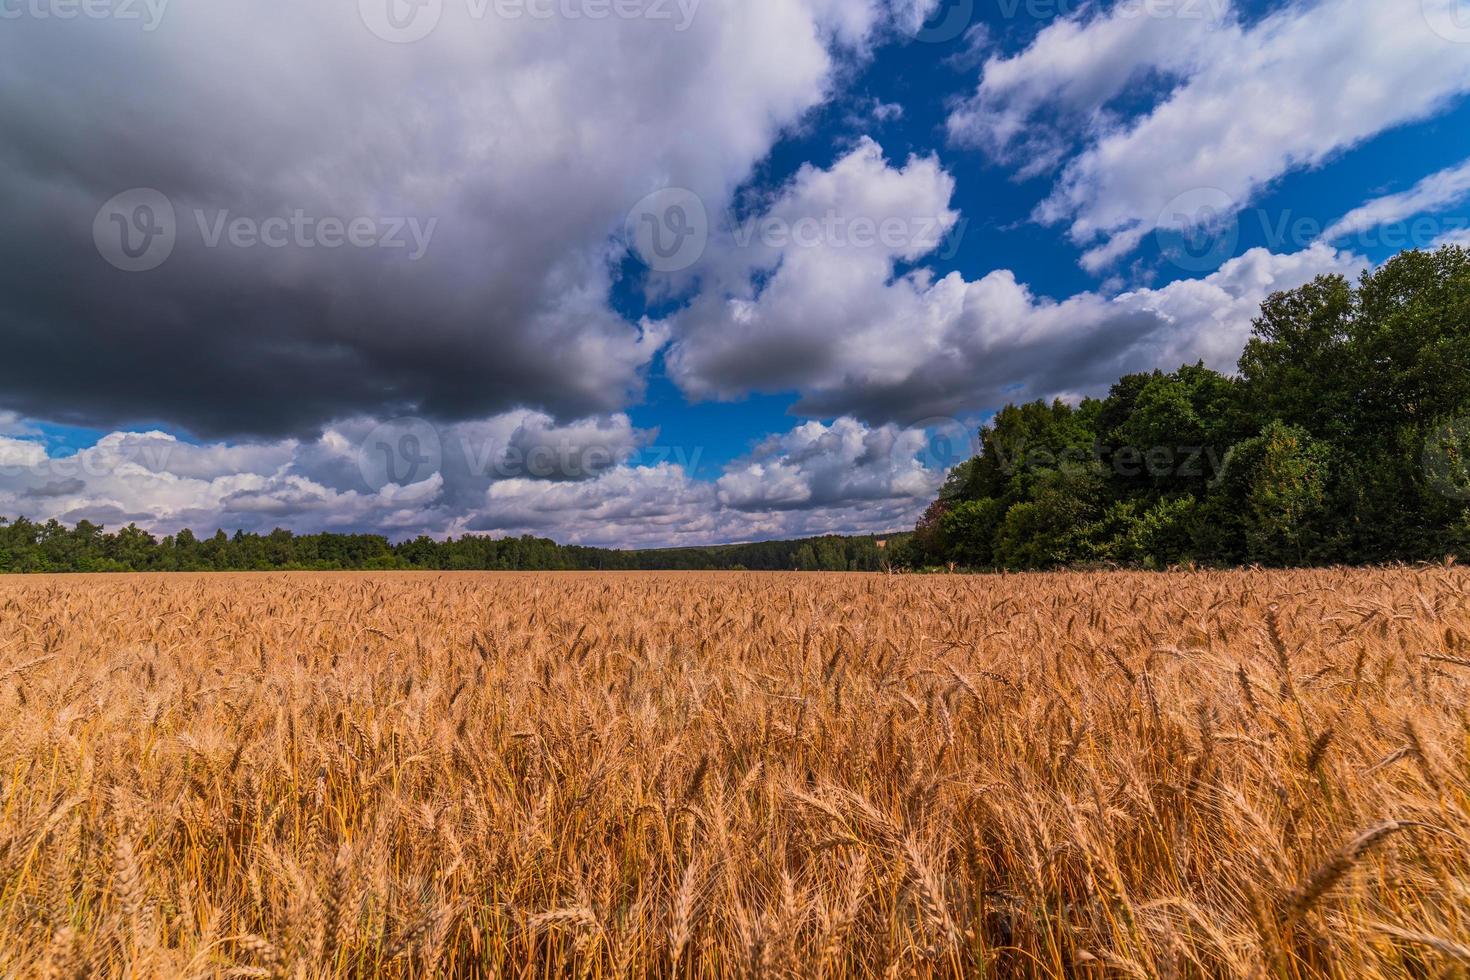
[{"x": 1246, "y": 774}]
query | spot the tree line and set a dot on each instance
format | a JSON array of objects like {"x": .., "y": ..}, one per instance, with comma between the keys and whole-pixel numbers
[
  {"x": 1343, "y": 438},
  {"x": 29, "y": 546}
]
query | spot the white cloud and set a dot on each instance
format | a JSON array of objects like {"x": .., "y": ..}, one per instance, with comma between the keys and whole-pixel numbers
[
  {"x": 1447, "y": 188},
  {"x": 12, "y": 424},
  {"x": 777, "y": 315},
  {"x": 1031, "y": 107},
  {"x": 840, "y": 326},
  {"x": 817, "y": 465},
  {"x": 1249, "y": 102},
  {"x": 20, "y": 453}
]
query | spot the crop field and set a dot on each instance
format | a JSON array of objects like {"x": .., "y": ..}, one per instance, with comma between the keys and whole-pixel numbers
[{"x": 1195, "y": 774}]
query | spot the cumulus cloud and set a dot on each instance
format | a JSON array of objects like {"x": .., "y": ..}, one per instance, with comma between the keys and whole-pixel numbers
[
  {"x": 854, "y": 336},
  {"x": 597, "y": 481},
  {"x": 1242, "y": 103},
  {"x": 842, "y": 478},
  {"x": 515, "y": 146},
  {"x": 781, "y": 312},
  {"x": 818, "y": 465},
  {"x": 334, "y": 481}
]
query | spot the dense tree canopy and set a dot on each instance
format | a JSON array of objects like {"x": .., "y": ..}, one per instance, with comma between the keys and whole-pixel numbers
[{"x": 1345, "y": 437}]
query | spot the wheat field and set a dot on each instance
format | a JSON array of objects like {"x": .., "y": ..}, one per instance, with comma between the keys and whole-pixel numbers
[{"x": 1193, "y": 774}]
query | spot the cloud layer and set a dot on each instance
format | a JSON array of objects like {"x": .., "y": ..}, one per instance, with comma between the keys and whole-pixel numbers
[
  {"x": 521, "y": 141},
  {"x": 595, "y": 482}
]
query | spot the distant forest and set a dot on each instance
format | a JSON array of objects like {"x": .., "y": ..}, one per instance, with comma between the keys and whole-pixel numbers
[
  {"x": 1343, "y": 439},
  {"x": 27, "y": 546}
]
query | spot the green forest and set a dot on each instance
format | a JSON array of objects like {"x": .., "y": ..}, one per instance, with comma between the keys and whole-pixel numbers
[
  {"x": 1344, "y": 438},
  {"x": 28, "y": 546}
]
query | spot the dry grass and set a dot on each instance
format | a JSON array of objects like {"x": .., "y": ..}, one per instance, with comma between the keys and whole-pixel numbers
[{"x": 698, "y": 776}]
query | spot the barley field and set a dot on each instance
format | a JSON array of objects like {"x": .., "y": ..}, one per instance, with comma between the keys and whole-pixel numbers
[{"x": 1205, "y": 774}]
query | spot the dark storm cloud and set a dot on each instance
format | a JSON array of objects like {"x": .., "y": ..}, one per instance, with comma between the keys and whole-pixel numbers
[
  {"x": 231, "y": 340},
  {"x": 226, "y": 353},
  {"x": 498, "y": 156}
]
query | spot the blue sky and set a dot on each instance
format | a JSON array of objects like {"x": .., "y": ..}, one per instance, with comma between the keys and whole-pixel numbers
[{"x": 1076, "y": 190}]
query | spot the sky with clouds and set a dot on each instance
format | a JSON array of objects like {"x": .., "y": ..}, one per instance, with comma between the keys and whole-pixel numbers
[{"x": 658, "y": 272}]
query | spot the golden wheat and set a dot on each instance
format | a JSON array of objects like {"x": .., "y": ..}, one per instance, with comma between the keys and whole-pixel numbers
[{"x": 1202, "y": 774}]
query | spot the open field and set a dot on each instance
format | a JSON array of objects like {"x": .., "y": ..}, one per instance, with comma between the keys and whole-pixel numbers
[{"x": 631, "y": 775}]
